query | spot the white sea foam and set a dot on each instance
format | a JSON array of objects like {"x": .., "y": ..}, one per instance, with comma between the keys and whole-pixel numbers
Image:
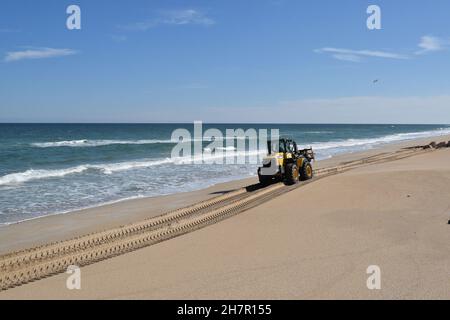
[
  {"x": 32, "y": 174},
  {"x": 318, "y": 132},
  {"x": 110, "y": 168},
  {"x": 377, "y": 141},
  {"x": 99, "y": 143},
  {"x": 94, "y": 143},
  {"x": 221, "y": 149}
]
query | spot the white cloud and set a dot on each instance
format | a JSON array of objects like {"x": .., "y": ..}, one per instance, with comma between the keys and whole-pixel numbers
[
  {"x": 431, "y": 44},
  {"x": 189, "y": 16},
  {"x": 38, "y": 53},
  {"x": 347, "y": 57},
  {"x": 358, "y": 55},
  {"x": 173, "y": 17},
  {"x": 427, "y": 44}
]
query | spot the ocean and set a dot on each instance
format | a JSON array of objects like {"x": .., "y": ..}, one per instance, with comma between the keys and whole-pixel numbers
[{"x": 56, "y": 168}]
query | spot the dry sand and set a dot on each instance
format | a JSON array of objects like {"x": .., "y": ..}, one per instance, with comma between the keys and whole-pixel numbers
[{"x": 315, "y": 242}]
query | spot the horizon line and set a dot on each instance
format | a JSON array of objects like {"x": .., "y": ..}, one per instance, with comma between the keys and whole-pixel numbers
[{"x": 192, "y": 122}]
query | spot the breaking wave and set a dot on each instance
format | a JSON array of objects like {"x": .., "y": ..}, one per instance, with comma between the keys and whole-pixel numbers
[
  {"x": 94, "y": 143},
  {"x": 99, "y": 143},
  {"x": 110, "y": 168}
]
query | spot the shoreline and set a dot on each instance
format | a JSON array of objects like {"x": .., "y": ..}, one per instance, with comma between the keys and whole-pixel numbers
[
  {"x": 113, "y": 202},
  {"x": 333, "y": 158},
  {"x": 63, "y": 226}
]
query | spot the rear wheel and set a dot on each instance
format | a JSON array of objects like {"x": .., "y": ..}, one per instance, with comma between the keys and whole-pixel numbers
[
  {"x": 306, "y": 172},
  {"x": 292, "y": 173}
]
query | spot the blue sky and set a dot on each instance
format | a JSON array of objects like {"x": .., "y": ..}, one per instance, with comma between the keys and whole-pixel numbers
[{"x": 225, "y": 61}]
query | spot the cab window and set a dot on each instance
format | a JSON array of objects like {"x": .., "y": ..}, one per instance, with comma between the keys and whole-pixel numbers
[
  {"x": 277, "y": 147},
  {"x": 290, "y": 147}
]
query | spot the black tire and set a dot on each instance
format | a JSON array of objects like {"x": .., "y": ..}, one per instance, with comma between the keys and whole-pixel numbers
[
  {"x": 307, "y": 171},
  {"x": 291, "y": 173},
  {"x": 264, "y": 180}
]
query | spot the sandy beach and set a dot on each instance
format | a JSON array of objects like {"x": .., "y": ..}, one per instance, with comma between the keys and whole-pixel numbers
[
  {"x": 227, "y": 151},
  {"x": 315, "y": 242}
]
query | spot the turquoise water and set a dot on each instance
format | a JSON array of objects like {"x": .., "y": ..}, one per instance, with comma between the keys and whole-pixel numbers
[{"x": 55, "y": 168}]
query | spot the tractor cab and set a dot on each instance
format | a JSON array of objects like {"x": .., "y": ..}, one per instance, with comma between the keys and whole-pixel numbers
[{"x": 281, "y": 146}]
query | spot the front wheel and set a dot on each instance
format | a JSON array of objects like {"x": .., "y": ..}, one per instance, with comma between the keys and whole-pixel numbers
[
  {"x": 306, "y": 172},
  {"x": 291, "y": 173}
]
